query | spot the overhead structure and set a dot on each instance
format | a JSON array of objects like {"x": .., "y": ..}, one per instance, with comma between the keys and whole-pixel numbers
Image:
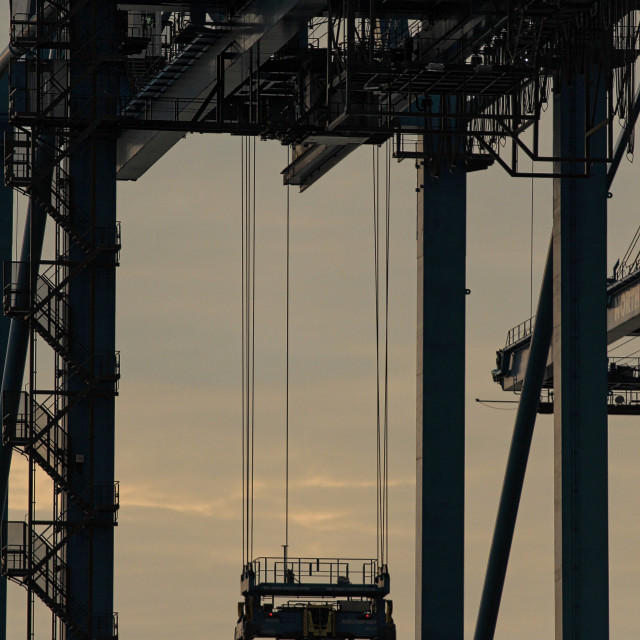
[
  {"x": 623, "y": 372},
  {"x": 100, "y": 90}
]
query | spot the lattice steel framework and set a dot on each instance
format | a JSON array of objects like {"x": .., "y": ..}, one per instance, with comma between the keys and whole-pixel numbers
[
  {"x": 469, "y": 81},
  {"x": 61, "y": 156}
]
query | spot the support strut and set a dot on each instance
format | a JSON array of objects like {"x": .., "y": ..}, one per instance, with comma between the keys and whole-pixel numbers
[{"x": 517, "y": 461}]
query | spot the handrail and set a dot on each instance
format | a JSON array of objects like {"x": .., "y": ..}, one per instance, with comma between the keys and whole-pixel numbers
[
  {"x": 520, "y": 331},
  {"x": 315, "y": 570}
]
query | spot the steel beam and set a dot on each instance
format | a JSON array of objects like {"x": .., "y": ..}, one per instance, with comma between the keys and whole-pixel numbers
[
  {"x": 580, "y": 362},
  {"x": 263, "y": 27},
  {"x": 440, "y": 405},
  {"x": 517, "y": 461}
]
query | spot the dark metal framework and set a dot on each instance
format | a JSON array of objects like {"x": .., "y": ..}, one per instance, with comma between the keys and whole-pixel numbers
[
  {"x": 467, "y": 80},
  {"x": 61, "y": 156},
  {"x": 623, "y": 372},
  {"x": 314, "y": 598}
]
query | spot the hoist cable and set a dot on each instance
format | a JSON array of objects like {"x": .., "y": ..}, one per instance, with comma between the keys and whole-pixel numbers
[
  {"x": 531, "y": 251},
  {"x": 623, "y": 343},
  {"x": 382, "y": 406},
  {"x": 253, "y": 323},
  {"x": 248, "y": 201},
  {"x": 286, "y": 421},
  {"x": 386, "y": 354},
  {"x": 247, "y": 328},
  {"x": 242, "y": 244},
  {"x": 376, "y": 170},
  {"x": 16, "y": 224},
  {"x": 247, "y": 324}
]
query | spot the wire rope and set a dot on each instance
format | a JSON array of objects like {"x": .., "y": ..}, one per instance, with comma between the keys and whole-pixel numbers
[
  {"x": 253, "y": 320},
  {"x": 386, "y": 353},
  {"x": 248, "y": 273},
  {"x": 374, "y": 183},
  {"x": 382, "y": 226},
  {"x": 243, "y": 373},
  {"x": 486, "y": 404},
  {"x": 286, "y": 514},
  {"x": 531, "y": 250},
  {"x": 247, "y": 322},
  {"x": 633, "y": 353},
  {"x": 16, "y": 224},
  {"x": 623, "y": 343}
]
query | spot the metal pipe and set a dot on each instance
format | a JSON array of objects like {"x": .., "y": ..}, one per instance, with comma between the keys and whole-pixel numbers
[
  {"x": 32, "y": 241},
  {"x": 6, "y": 253},
  {"x": 517, "y": 461}
]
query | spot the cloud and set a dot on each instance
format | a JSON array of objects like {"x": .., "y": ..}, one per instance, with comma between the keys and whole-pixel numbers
[
  {"x": 334, "y": 521},
  {"x": 327, "y": 482},
  {"x": 145, "y": 497}
]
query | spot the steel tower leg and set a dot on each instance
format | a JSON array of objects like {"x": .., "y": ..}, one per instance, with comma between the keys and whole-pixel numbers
[
  {"x": 92, "y": 315},
  {"x": 440, "y": 405},
  {"x": 580, "y": 363},
  {"x": 517, "y": 461}
]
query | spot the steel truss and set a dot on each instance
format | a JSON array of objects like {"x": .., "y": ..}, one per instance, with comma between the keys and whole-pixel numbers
[
  {"x": 363, "y": 73},
  {"x": 465, "y": 78}
]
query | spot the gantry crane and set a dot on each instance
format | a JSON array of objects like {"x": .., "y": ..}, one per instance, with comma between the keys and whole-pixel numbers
[{"x": 100, "y": 90}]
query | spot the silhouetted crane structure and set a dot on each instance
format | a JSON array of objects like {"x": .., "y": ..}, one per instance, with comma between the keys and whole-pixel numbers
[{"x": 99, "y": 90}]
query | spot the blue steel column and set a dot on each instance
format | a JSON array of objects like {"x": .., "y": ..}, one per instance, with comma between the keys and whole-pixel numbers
[
  {"x": 6, "y": 235},
  {"x": 92, "y": 314},
  {"x": 440, "y": 405},
  {"x": 580, "y": 365}
]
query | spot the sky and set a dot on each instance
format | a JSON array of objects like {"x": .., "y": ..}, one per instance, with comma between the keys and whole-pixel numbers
[{"x": 178, "y": 452}]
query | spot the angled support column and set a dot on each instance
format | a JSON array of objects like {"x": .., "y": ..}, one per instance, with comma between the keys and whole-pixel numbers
[
  {"x": 580, "y": 365},
  {"x": 517, "y": 461},
  {"x": 440, "y": 405}
]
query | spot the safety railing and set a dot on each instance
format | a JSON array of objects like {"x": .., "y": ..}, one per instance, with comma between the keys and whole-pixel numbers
[
  {"x": 315, "y": 570},
  {"x": 16, "y": 299},
  {"x": 50, "y": 572},
  {"x": 625, "y": 269},
  {"x": 14, "y": 549},
  {"x": 27, "y": 29},
  {"x": 105, "y": 626},
  {"x": 624, "y": 370},
  {"x": 18, "y": 161},
  {"x": 15, "y": 425},
  {"x": 520, "y": 331},
  {"x": 619, "y": 401},
  {"x": 106, "y": 497}
]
